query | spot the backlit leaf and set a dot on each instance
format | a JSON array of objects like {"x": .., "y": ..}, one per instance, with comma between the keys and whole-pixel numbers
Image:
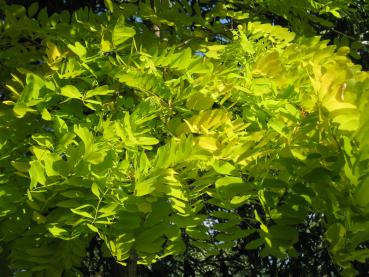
[{"x": 121, "y": 32}]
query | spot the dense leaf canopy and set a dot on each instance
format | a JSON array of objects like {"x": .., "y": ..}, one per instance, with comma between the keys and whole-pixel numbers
[{"x": 180, "y": 134}]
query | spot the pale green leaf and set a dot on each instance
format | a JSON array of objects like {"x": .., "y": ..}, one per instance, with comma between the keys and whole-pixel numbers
[
  {"x": 103, "y": 90},
  {"x": 81, "y": 212},
  {"x": 37, "y": 174},
  {"x": 109, "y": 5},
  {"x": 45, "y": 114},
  {"x": 95, "y": 190},
  {"x": 70, "y": 92},
  {"x": 95, "y": 157},
  {"x": 226, "y": 181},
  {"x": 121, "y": 33},
  {"x": 92, "y": 228},
  {"x": 199, "y": 101},
  {"x": 78, "y": 49},
  {"x": 57, "y": 231},
  {"x": 146, "y": 187}
]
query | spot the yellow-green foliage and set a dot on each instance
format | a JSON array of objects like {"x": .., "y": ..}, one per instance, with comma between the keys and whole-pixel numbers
[{"x": 111, "y": 136}]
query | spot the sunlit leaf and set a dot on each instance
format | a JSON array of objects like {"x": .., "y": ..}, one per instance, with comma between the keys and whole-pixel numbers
[{"x": 121, "y": 32}]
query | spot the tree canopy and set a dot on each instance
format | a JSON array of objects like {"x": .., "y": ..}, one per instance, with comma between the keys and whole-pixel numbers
[{"x": 166, "y": 131}]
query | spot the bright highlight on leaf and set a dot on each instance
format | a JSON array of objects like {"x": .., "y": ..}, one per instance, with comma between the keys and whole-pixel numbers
[{"x": 121, "y": 33}]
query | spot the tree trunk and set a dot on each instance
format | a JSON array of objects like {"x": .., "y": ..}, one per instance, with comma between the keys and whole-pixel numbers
[
  {"x": 132, "y": 266},
  {"x": 131, "y": 269}
]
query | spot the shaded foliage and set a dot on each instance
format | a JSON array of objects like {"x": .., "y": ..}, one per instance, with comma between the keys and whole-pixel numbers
[{"x": 342, "y": 22}]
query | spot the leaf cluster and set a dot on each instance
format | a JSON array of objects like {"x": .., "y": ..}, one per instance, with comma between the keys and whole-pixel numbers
[{"x": 153, "y": 146}]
